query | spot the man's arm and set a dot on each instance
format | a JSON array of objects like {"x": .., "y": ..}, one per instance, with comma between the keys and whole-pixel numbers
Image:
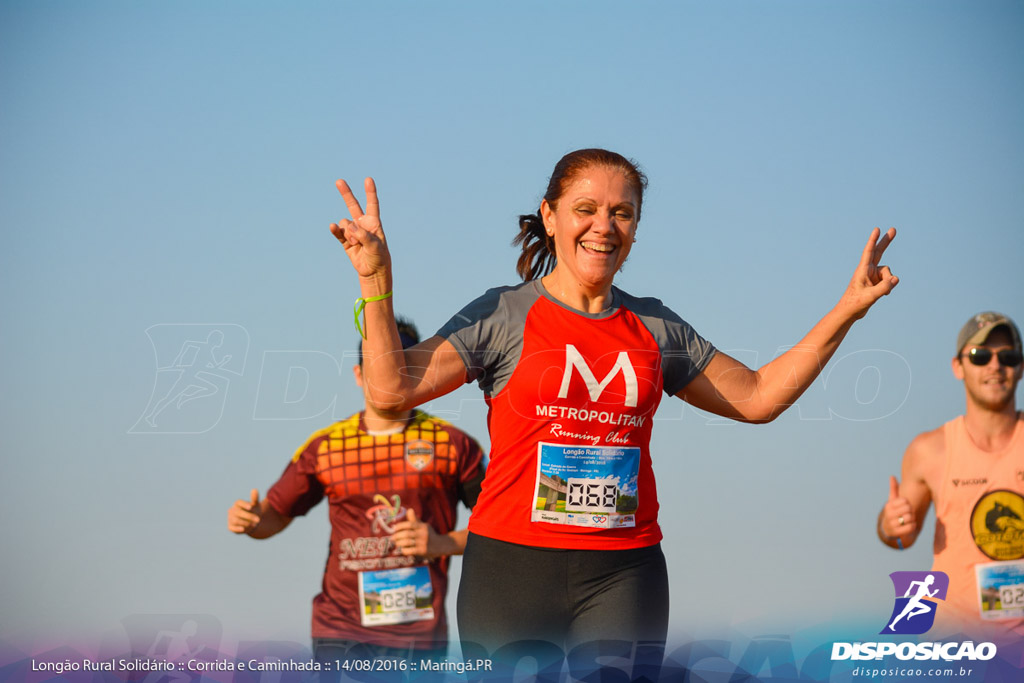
[
  {"x": 902, "y": 517},
  {"x": 256, "y": 518}
]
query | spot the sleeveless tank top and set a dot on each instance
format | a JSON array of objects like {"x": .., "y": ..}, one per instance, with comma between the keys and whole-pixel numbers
[{"x": 979, "y": 533}]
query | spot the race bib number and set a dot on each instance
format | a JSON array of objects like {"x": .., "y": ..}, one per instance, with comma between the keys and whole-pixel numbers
[
  {"x": 586, "y": 486},
  {"x": 1001, "y": 590},
  {"x": 395, "y": 596}
]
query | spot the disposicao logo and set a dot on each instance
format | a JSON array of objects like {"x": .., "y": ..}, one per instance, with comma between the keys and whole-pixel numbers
[
  {"x": 916, "y": 593},
  {"x": 913, "y": 613}
]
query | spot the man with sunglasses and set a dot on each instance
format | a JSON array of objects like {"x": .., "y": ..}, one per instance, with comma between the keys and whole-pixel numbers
[{"x": 972, "y": 468}]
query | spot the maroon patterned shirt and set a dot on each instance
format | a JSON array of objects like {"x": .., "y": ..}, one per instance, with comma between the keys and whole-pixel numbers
[{"x": 371, "y": 592}]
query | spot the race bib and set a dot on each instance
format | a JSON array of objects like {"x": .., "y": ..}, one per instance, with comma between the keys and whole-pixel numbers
[
  {"x": 395, "y": 596},
  {"x": 586, "y": 486},
  {"x": 1000, "y": 590}
]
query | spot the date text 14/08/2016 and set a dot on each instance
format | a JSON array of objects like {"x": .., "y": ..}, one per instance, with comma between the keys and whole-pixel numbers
[{"x": 406, "y": 665}]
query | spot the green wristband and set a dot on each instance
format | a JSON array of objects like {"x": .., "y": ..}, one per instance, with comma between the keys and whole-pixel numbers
[{"x": 361, "y": 304}]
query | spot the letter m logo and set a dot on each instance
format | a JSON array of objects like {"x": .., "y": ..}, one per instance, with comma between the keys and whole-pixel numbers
[{"x": 574, "y": 359}]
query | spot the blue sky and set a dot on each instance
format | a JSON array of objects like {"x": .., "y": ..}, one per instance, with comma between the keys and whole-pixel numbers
[{"x": 169, "y": 168}]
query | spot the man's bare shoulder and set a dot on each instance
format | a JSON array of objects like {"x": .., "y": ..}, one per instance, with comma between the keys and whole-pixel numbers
[{"x": 925, "y": 453}]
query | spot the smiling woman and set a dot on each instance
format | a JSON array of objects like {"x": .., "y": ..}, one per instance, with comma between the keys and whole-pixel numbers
[
  {"x": 600, "y": 194},
  {"x": 564, "y": 542}
]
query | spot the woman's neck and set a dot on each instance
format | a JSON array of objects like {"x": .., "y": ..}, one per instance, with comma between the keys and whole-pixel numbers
[{"x": 576, "y": 295}]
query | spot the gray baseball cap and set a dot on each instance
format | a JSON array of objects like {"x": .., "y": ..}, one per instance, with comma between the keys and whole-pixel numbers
[{"x": 977, "y": 329}]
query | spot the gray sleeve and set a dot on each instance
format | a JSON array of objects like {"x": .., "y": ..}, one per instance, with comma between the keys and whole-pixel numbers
[
  {"x": 480, "y": 334},
  {"x": 684, "y": 353},
  {"x": 686, "y": 357}
]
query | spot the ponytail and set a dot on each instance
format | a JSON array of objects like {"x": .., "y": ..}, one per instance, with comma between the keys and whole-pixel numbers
[{"x": 538, "y": 248}]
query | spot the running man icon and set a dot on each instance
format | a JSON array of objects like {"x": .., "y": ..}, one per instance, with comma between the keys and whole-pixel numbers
[
  {"x": 195, "y": 363},
  {"x": 916, "y": 606},
  {"x": 919, "y": 591}
]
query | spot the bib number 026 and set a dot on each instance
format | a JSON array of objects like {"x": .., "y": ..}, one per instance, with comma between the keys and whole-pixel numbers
[
  {"x": 398, "y": 599},
  {"x": 1012, "y": 596}
]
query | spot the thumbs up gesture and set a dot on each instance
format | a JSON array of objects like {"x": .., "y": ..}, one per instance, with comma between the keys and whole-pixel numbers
[
  {"x": 413, "y": 537},
  {"x": 244, "y": 515},
  {"x": 897, "y": 515}
]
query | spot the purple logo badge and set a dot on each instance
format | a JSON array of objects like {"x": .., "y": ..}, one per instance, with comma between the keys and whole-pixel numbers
[{"x": 916, "y": 595}]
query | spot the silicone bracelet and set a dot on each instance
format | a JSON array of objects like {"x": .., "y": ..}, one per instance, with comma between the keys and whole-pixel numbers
[
  {"x": 361, "y": 304},
  {"x": 899, "y": 540}
]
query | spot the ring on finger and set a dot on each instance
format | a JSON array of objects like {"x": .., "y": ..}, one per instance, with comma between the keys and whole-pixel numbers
[{"x": 900, "y": 520}]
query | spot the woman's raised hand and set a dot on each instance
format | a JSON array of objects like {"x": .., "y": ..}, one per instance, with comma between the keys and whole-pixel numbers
[
  {"x": 871, "y": 281},
  {"x": 363, "y": 236}
]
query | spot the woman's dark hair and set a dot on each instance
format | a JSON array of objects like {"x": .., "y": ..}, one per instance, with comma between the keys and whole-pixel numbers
[{"x": 538, "y": 248}]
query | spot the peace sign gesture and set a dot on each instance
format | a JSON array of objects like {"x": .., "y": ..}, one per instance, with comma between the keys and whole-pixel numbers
[
  {"x": 363, "y": 236},
  {"x": 870, "y": 281}
]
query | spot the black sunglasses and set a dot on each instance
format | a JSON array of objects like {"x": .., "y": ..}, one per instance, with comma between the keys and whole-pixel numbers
[{"x": 1007, "y": 357}]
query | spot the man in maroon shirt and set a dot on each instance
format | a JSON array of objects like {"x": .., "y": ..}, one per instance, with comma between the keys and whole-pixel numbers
[{"x": 393, "y": 481}]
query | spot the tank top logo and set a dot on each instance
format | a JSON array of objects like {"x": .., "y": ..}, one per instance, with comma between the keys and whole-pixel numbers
[{"x": 997, "y": 525}]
